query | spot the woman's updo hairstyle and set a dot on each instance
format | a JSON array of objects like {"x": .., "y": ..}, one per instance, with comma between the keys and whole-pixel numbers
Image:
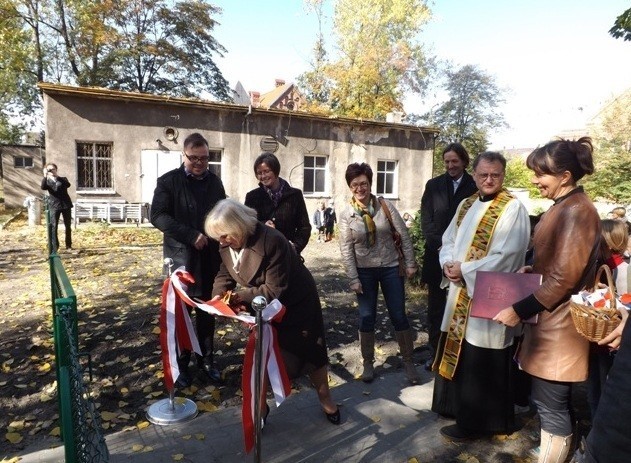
[{"x": 560, "y": 155}]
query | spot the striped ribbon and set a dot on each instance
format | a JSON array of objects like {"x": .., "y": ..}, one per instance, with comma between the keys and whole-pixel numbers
[{"x": 177, "y": 334}]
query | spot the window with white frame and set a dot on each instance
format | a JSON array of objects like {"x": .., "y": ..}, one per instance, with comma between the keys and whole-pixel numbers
[
  {"x": 94, "y": 166},
  {"x": 214, "y": 162},
  {"x": 22, "y": 162},
  {"x": 386, "y": 178},
  {"x": 314, "y": 175}
]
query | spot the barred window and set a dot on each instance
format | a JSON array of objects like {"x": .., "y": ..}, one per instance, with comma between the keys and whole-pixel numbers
[
  {"x": 386, "y": 178},
  {"x": 21, "y": 162},
  {"x": 214, "y": 162},
  {"x": 314, "y": 175},
  {"x": 94, "y": 166}
]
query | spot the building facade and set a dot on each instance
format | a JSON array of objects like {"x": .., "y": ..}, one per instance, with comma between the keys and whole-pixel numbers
[{"x": 113, "y": 145}]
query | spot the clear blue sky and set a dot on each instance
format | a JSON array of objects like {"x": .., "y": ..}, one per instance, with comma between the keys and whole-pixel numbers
[{"x": 554, "y": 57}]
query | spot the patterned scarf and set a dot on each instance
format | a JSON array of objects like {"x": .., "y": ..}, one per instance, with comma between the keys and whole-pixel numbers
[
  {"x": 276, "y": 196},
  {"x": 367, "y": 213}
]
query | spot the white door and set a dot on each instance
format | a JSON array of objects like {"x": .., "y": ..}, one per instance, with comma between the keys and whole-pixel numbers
[{"x": 154, "y": 163}]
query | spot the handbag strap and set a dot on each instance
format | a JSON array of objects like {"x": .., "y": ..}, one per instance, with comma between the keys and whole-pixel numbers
[{"x": 387, "y": 212}]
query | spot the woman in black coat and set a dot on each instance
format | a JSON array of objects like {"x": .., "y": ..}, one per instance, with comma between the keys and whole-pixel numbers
[{"x": 277, "y": 204}]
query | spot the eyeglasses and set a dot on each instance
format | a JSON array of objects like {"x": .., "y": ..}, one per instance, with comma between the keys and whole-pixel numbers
[
  {"x": 357, "y": 186},
  {"x": 197, "y": 158},
  {"x": 486, "y": 176}
]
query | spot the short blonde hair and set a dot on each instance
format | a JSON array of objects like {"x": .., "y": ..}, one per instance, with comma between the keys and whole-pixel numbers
[
  {"x": 230, "y": 217},
  {"x": 615, "y": 234}
]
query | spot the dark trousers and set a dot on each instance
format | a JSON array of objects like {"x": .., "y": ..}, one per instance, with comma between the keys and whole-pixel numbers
[
  {"x": 66, "y": 214},
  {"x": 205, "y": 330},
  {"x": 436, "y": 300}
]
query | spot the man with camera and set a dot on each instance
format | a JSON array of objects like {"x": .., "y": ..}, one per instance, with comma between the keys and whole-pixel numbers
[{"x": 59, "y": 203}]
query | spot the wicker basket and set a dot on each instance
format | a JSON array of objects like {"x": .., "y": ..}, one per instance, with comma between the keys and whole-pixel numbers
[{"x": 592, "y": 323}]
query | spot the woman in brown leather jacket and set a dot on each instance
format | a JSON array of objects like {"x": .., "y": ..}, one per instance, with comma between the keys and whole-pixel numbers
[{"x": 566, "y": 244}]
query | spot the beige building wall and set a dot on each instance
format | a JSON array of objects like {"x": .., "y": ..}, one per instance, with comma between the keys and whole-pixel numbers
[
  {"x": 18, "y": 182},
  {"x": 135, "y": 122}
]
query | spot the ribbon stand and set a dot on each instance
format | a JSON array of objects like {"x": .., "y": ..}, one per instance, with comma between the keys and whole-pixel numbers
[
  {"x": 258, "y": 304},
  {"x": 171, "y": 410}
]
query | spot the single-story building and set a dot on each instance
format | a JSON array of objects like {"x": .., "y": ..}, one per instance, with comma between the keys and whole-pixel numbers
[
  {"x": 22, "y": 167},
  {"x": 113, "y": 145}
]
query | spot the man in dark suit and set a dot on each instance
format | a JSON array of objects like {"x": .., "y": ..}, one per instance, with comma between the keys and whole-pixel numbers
[
  {"x": 440, "y": 199},
  {"x": 182, "y": 199}
]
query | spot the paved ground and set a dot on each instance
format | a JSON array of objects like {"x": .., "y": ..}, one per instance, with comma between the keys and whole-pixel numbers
[{"x": 386, "y": 421}]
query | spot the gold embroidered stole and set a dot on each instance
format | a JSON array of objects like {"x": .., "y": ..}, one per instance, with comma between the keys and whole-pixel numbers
[{"x": 477, "y": 250}]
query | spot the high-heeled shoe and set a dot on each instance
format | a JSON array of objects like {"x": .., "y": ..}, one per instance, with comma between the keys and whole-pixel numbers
[{"x": 334, "y": 417}]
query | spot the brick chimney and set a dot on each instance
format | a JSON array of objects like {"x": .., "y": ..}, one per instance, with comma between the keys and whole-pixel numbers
[
  {"x": 255, "y": 99},
  {"x": 280, "y": 82}
]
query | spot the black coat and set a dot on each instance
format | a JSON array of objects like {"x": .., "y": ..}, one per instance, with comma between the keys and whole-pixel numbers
[
  {"x": 175, "y": 212},
  {"x": 290, "y": 216},
  {"x": 58, "y": 197},
  {"x": 609, "y": 440},
  {"x": 438, "y": 206}
]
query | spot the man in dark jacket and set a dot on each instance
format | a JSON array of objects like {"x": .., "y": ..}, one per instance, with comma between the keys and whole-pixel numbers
[
  {"x": 182, "y": 199},
  {"x": 440, "y": 199},
  {"x": 59, "y": 204}
]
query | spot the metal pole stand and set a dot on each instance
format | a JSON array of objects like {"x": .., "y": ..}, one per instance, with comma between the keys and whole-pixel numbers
[
  {"x": 258, "y": 304},
  {"x": 171, "y": 410}
]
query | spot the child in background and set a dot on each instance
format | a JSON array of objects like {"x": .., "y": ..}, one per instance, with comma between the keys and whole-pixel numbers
[{"x": 613, "y": 247}]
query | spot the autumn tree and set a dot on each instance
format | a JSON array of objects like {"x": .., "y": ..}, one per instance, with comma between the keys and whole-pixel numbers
[
  {"x": 168, "y": 49},
  {"x": 314, "y": 84},
  {"x": 378, "y": 58},
  {"x": 469, "y": 114},
  {"x": 157, "y": 46},
  {"x": 611, "y": 133}
]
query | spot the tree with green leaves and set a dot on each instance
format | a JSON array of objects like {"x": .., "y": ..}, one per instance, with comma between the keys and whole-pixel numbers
[
  {"x": 167, "y": 49},
  {"x": 611, "y": 133},
  {"x": 622, "y": 26},
  {"x": 157, "y": 46},
  {"x": 470, "y": 113},
  {"x": 378, "y": 59}
]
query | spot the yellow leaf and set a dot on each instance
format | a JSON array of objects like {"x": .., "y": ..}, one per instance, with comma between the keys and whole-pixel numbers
[
  {"x": 45, "y": 398},
  {"x": 413, "y": 460},
  {"x": 143, "y": 424},
  {"x": 108, "y": 416},
  {"x": 137, "y": 448},
  {"x": 16, "y": 425},
  {"x": 187, "y": 437},
  {"x": 156, "y": 330},
  {"x": 55, "y": 431},
  {"x": 13, "y": 437},
  {"x": 200, "y": 436},
  {"x": 376, "y": 418},
  {"x": 206, "y": 406},
  {"x": 178, "y": 457},
  {"x": 148, "y": 448},
  {"x": 44, "y": 367},
  {"x": 122, "y": 404},
  {"x": 124, "y": 390}
]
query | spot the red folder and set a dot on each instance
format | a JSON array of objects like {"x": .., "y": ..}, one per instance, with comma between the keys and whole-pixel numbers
[{"x": 495, "y": 291}]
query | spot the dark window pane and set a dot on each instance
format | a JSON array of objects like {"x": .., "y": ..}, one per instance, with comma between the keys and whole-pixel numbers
[
  {"x": 319, "y": 180},
  {"x": 307, "y": 186}
]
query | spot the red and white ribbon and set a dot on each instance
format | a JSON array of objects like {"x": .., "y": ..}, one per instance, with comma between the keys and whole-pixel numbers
[
  {"x": 176, "y": 328},
  {"x": 272, "y": 367},
  {"x": 177, "y": 334}
]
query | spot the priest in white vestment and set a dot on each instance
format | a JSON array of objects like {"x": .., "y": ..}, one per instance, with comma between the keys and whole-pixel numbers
[{"x": 489, "y": 232}]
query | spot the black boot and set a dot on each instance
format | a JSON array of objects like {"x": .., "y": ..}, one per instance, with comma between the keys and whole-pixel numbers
[{"x": 184, "y": 379}]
